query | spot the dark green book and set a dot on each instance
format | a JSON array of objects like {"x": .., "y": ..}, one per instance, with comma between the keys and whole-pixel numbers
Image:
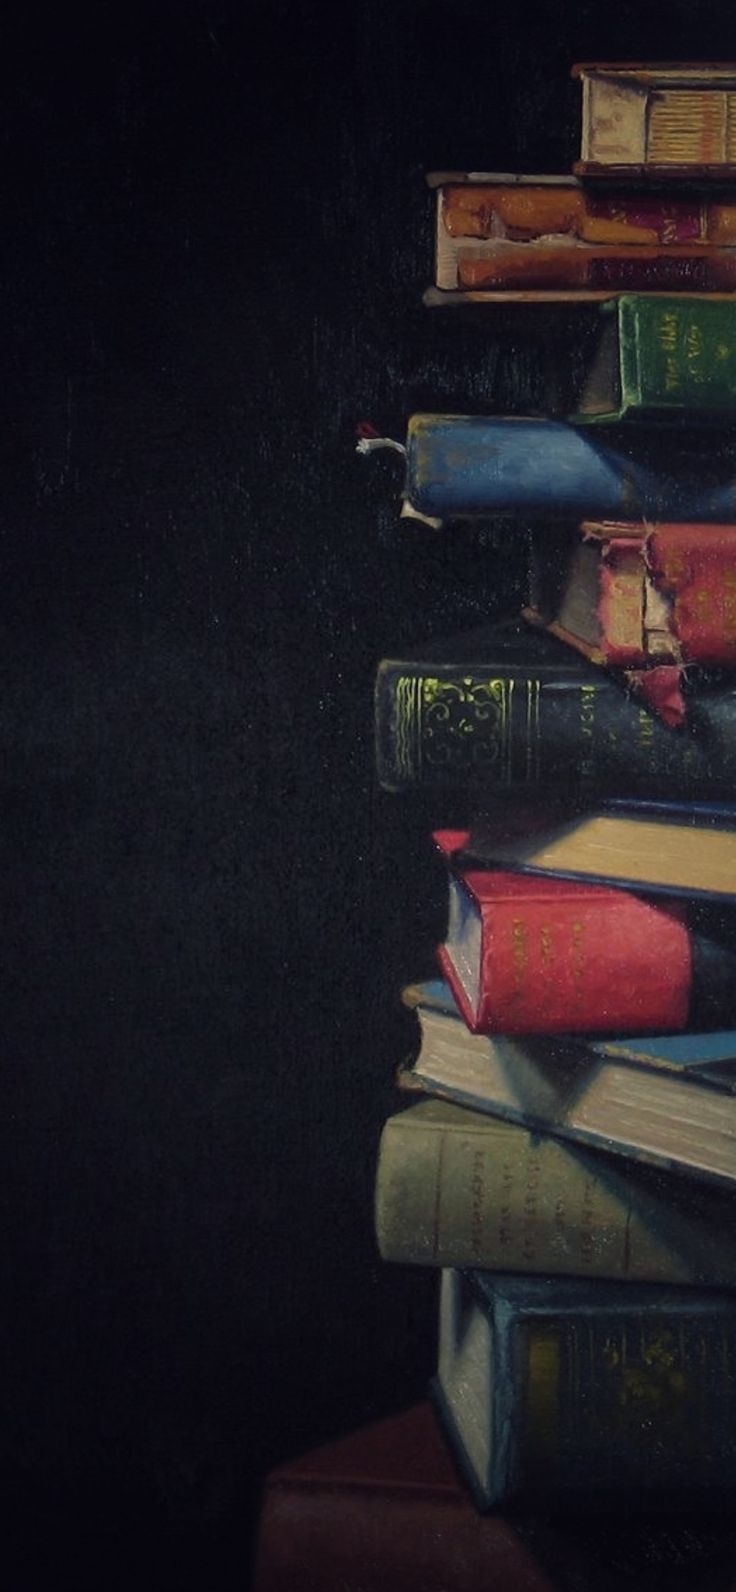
[
  {"x": 571, "y": 1392},
  {"x": 663, "y": 358},
  {"x": 511, "y": 708}
]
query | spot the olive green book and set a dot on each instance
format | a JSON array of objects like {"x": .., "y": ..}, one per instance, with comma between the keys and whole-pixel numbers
[
  {"x": 456, "y": 1187},
  {"x": 663, "y": 357}
]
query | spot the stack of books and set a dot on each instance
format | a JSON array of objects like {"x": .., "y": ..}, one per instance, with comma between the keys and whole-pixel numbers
[{"x": 566, "y": 1151}]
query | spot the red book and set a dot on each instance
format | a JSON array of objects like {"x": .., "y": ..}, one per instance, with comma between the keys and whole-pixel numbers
[
  {"x": 383, "y": 1510},
  {"x": 527, "y": 955},
  {"x": 631, "y": 593},
  {"x": 640, "y": 597}
]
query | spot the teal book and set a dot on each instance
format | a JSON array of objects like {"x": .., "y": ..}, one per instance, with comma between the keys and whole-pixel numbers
[
  {"x": 508, "y": 708},
  {"x": 663, "y": 358},
  {"x": 570, "y": 1393}
]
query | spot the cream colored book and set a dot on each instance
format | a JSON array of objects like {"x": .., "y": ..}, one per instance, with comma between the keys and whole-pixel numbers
[
  {"x": 457, "y": 1188},
  {"x": 650, "y": 851}
]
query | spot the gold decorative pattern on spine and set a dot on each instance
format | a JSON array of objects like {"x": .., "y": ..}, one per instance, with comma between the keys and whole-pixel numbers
[
  {"x": 532, "y": 730},
  {"x": 464, "y": 724},
  {"x": 407, "y": 727}
]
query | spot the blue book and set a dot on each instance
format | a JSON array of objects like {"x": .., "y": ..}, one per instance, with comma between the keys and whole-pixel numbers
[
  {"x": 460, "y": 466},
  {"x": 573, "y": 1393},
  {"x": 668, "y": 1100}
]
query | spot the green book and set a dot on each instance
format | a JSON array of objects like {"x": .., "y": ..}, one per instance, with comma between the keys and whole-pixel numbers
[{"x": 662, "y": 357}]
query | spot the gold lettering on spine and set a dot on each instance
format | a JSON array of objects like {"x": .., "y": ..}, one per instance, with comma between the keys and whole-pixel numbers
[
  {"x": 694, "y": 352},
  {"x": 728, "y": 599},
  {"x": 668, "y": 343},
  {"x": 529, "y": 1219},
  {"x": 587, "y": 730},
  {"x": 505, "y": 1232},
  {"x": 587, "y": 1224},
  {"x": 477, "y": 1203},
  {"x": 577, "y": 960},
  {"x": 519, "y": 958}
]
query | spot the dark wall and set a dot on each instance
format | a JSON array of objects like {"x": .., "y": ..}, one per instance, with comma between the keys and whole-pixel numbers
[{"x": 215, "y": 234}]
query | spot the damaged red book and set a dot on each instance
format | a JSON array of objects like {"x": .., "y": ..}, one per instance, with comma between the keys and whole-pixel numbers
[{"x": 649, "y": 599}]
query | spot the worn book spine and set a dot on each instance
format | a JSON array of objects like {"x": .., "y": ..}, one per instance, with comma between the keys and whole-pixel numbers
[
  {"x": 469, "y": 466},
  {"x": 629, "y": 1393},
  {"x": 662, "y": 593},
  {"x": 559, "y": 957},
  {"x": 657, "y": 124},
  {"x": 530, "y": 211},
  {"x": 490, "y": 728},
  {"x": 546, "y": 264},
  {"x": 457, "y": 1189}
]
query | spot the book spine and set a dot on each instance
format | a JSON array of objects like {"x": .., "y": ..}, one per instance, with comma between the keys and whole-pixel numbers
[
  {"x": 504, "y": 1199},
  {"x": 582, "y": 961},
  {"x": 542, "y": 265},
  {"x": 696, "y": 568},
  {"x": 488, "y": 729},
  {"x": 466, "y": 466},
  {"x": 529, "y": 212},
  {"x": 598, "y": 1393}
]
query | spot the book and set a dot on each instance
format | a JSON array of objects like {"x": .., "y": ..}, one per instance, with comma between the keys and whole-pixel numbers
[
  {"x": 456, "y": 1187},
  {"x": 666, "y": 1100},
  {"x": 663, "y": 358},
  {"x": 588, "y": 1395},
  {"x": 466, "y": 466},
  {"x": 660, "y": 122},
  {"x": 655, "y": 853},
  {"x": 505, "y": 708},
  {"x": 384, "y": 1508},
  {"x": 584, "y": 269},
  {"x": 492, "y": 206},
  {"x": 629, "y": 594},
  {"x": 526, "y": 954}
]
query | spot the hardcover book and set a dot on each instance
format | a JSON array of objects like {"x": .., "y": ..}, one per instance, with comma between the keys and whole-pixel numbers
[
  {"x": 487, "y": 206},
  {"x": 663, "y": 358},
  {"x": 667, "y": 1100},
  {"x": 506, "y": 236},
  {"x": 632, "y": 594},
  {"x": 507, "y": 708},
  {"x": 548, "y": 954},
  {"x": 470, "y": 466},
  {"x": 591, "y": 271},
  {"x": 655, "y": 853},
  {"x": 384, "y": 1508},
  {"x": 461, "y": 1188},
  {"x": 572, "y": 1393},
  {"x": 661, "y": 122}
]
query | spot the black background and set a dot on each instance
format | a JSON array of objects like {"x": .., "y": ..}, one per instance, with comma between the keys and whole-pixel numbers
[{"x": 215, "y": 234}]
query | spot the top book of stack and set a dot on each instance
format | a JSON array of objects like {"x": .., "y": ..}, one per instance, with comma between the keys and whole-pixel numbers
[{"x": 662, "y": 123}]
